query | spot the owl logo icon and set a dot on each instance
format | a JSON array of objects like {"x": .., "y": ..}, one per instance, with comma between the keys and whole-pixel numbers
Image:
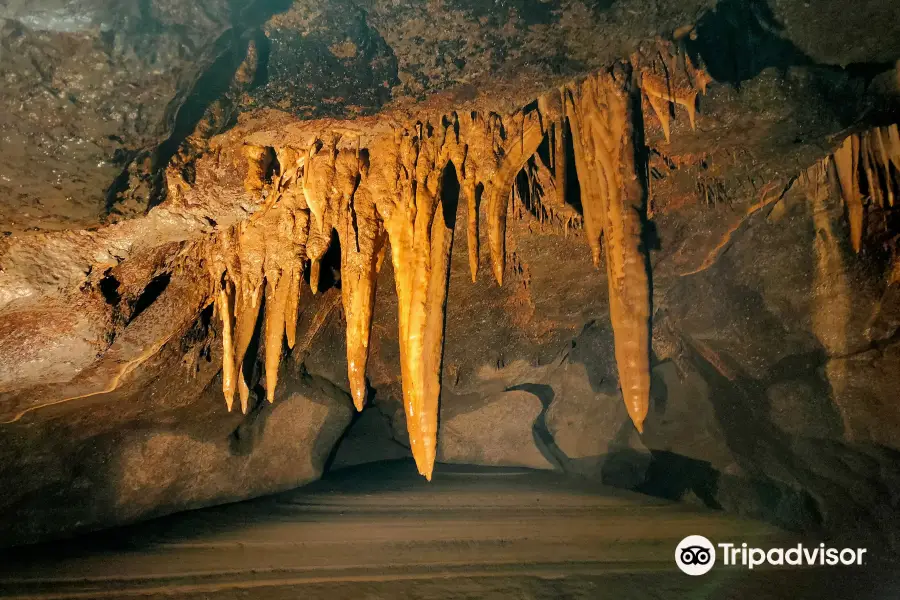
[{"x": 695, "y": 555}]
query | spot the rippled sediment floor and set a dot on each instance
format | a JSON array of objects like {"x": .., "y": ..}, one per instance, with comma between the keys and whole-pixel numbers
[{"x": 381, "y": 531}]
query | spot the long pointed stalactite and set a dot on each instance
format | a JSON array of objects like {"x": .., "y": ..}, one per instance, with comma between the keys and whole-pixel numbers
[
  {"x": 377, "y": 186},
  {"x": 363, "y": 244},
  {"x": 523, "y": 136},
  {"x": 614, "y": 200}
]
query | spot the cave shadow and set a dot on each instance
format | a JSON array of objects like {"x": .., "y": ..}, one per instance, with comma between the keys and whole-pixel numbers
[
  {"x": 806, "y": 500},
  {"x": 673, "y": 476},
  {"x": 739, "y": 39},
  {"x": 228, "y": 53},
  {"x": 354, "y": 420},
  {"x": 543, "y": 439},
  {"x": 741, "y": 407}
]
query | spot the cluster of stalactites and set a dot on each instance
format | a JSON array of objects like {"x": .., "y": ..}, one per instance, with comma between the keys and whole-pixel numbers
[
  {"x": 392, "y": 191},
  {"x": 868, "y": 172},
  {"x": 260, "y": 262},
  {"x": 669, "y": 79}
]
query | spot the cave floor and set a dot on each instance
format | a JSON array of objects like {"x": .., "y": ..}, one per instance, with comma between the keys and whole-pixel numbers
[{"x": 380, "y": 531}]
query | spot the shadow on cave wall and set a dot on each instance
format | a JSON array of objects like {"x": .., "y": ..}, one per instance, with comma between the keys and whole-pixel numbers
[
  {"x": 212, "y": 85},
  {"x": 815, "y": 481},
  {"x": 738, "y": 39},
  {"x": 795, "y": 481},
  {"x": 542, "y": 437}
]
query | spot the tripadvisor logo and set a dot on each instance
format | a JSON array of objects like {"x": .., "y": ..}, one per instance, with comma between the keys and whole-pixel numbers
[{"x": 696, "y": 555}]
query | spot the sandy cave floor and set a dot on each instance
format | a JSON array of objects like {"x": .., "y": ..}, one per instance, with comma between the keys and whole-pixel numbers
[{"x": 380, "y": 531}]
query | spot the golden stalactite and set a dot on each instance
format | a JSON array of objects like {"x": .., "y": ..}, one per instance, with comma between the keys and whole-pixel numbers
[
  {"x": 882, "y": 158},
  {"x": 319, "y": 182},
  {"x": 315, "y": 273},
  {"x": 259, "y": 159},
  {"x": 867, "y": 165},
  {"x": 260, "y": 256},
  {"x": 614, "y": 202},
  {"x": 300, "y": 235},
  {"x": 669, "y": 77},
  {"x": 362, "y": 239},
  {"x": 478, "y": 166},
  {"x": 223, "y": 292},
  {"x": 225, "y": 306},
  {"x": 248, "y": 298},
  {"x": 663, "y": 89},
  {"x": 393, "y": 175},
  {"x": 522, "y": 136},
  {"x": 553, "y": 177},
  {"x": 546, "y": 198},
  {"x": 276, "y": 226},
  {"x": 386, "y": 186}
]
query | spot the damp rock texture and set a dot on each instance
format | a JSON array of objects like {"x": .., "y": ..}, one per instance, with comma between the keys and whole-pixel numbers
[
  {"x": 159, "y": 443},
  {"x": 493, "y": 431},
  {"x": 650, "y": 243}
]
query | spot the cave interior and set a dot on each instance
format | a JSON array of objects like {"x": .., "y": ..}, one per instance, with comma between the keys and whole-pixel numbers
[{"x": 444, "y": 298}]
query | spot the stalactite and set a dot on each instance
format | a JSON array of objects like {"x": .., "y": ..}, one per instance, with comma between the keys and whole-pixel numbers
[
  {"x": 315, "y": 272},
  {"x": 258, "y": 161},
  {"x": 224, "y": 305},
  {"x": 661, "y": 110},
  {"x": 545, "y": 198},
  {"x": 371, "y": 189},
  {"x": 552, "y": 111},
  {"x": 614, "y": 199},
  {"x": 669, "y": 76},
  {"x": 217, "y": 262},
  {"x": 276, "y": 228},
  {"x": 883, "y": 158},
  {"x": 251, "y": 257},
  {"x": 891, "y": 136},
  {"x": 400, "y": 178},
  {"x": 523, "y": 135},
  {"x": 845, "y": 163},
  {"x": 362, "y": 239},
  {"x": 478, "y": 167},
  {"x": 863, "y": 163},
  {"x": 699, "y": 77}
]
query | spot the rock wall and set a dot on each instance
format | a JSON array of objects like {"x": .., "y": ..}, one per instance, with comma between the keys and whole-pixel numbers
[{"x": 160, "y": 443}]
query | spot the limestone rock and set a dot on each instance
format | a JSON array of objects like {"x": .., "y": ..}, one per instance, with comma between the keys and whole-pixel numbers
[
  {"x": 593, "y": 430},
  {"x": 51, "y": 343},
  {"x": 496, "y": 431},
  {"x": 153, "y": 448},
  {"x": 800, "y": 408},
  {"x": 683, "y": 397},
  {"x": 281, "y": 447}
]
